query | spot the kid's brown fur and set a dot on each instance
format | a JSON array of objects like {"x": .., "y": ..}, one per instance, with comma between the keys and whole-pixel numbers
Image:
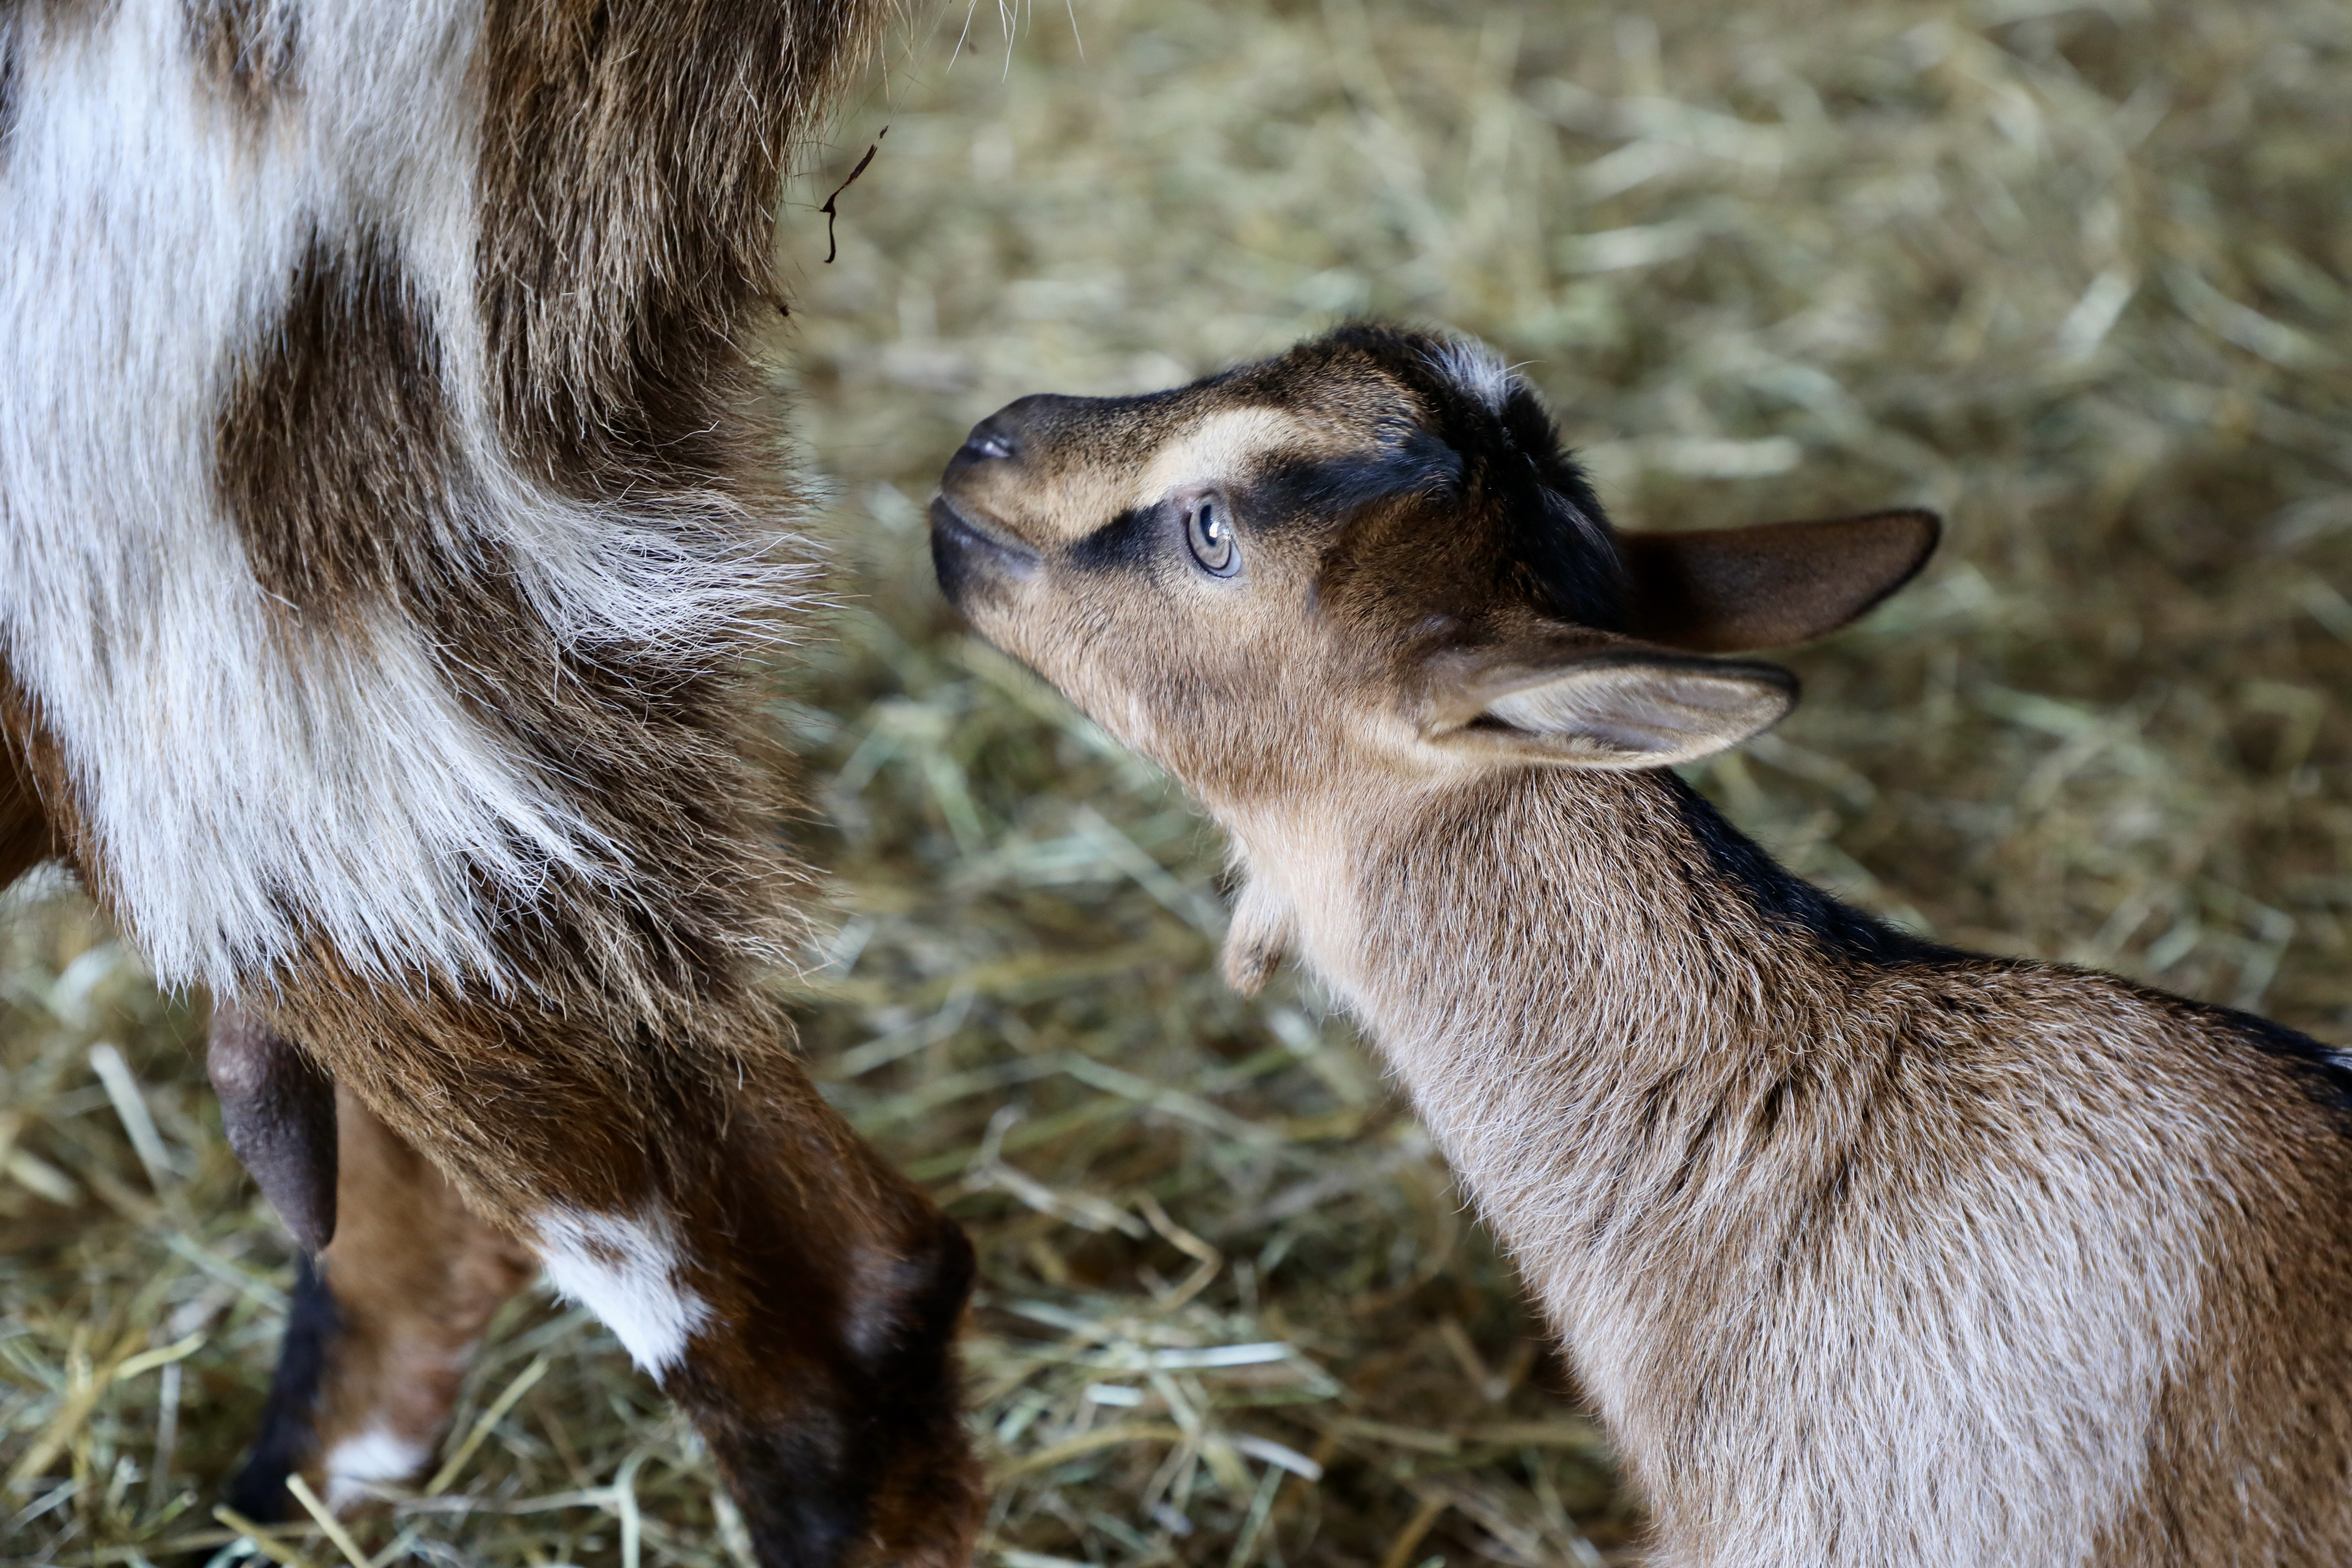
[{"x": 1871, "y": 1252}]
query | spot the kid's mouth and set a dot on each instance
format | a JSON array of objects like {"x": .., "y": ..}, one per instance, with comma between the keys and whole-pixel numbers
[{"x": 964, "y": 550}]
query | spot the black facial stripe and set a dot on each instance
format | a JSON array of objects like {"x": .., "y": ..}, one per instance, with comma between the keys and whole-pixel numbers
[
  {"x": 1416, "y": 463},
  {"x": 1126, "y": 542}
]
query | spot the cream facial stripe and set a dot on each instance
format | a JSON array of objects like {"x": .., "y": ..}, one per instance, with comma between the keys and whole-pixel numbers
[{"x": 1222, "y": 449}]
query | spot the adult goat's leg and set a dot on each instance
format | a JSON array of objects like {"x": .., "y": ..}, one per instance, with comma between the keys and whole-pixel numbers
[
  {"x": 795, "y": 1296},
  {"x": 829, "y": 1389},
  {"x": 622, "y": 1100},
  {"x": 384, "y": 1324}
]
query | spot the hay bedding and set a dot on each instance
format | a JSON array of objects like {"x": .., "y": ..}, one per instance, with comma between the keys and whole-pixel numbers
[{"x": 2078, "y": 277}]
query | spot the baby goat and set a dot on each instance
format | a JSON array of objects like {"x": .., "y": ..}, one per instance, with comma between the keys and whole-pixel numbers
[
  {"x": 390, "y": 510},
  {"x": 1871, "y": 1252}
]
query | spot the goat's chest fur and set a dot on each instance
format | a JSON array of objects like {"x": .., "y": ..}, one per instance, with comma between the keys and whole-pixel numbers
[{"x": 1868, "y": 1253}]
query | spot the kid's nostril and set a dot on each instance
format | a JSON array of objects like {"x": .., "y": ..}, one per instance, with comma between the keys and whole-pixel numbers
[{"x": 992, "y": 441}]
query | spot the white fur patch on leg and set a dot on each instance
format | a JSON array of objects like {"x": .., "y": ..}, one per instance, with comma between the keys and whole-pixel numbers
[
  {"x": 625, "y": 1269},
  {"x": 377, "y": 1456}
]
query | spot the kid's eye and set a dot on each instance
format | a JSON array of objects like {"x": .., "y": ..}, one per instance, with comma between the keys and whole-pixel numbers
[{"x": 1209, "y": 533}]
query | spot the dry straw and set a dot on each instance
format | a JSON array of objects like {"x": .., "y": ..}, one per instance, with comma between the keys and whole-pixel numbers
[{"x": 2078, "y": 276}]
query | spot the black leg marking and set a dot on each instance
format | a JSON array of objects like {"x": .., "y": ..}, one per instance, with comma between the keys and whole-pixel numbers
[{"x": 290, "y": 1421}]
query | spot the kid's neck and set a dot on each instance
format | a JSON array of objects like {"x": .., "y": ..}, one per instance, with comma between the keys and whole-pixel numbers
[
  {"x": 1576, "y": 917},
  {"x": 1589, "y": 983}
]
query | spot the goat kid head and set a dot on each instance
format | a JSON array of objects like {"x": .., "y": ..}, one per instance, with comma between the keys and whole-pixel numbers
[{"x": 1370, "y": 558}]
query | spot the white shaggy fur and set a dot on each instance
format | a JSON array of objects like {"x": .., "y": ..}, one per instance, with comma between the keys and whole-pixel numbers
[
  {"x": 243, "y": 784},
  {"x": 625, "y": 1268}
]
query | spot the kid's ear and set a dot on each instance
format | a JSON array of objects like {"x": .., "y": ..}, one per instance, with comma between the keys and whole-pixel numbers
[
  {"x": 1619, "y": 705},
  {"x": 1723, "y": 589}
]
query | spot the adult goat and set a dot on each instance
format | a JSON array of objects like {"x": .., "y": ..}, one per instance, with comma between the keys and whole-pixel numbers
[{"x": 391, "y": 512}]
